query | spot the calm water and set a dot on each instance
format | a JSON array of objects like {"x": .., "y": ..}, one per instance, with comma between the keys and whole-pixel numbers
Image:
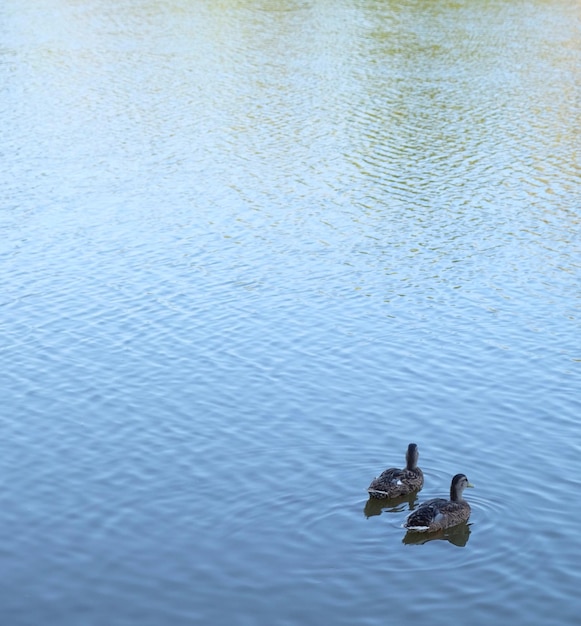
[{"x": 249, "y": 251}]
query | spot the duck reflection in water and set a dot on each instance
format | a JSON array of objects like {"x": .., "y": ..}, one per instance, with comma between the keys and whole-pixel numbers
[
  {"x": 457, "y": 535},
  {"x": 373, "y": 506}
]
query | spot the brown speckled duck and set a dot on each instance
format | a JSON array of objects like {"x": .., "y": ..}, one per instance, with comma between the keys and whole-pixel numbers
[
  {"x": 439, "y": 513},
  {"x": 394, "y": 482}
]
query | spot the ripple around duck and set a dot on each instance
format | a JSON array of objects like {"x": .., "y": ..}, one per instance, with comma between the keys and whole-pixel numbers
[{"x": 486, "y": 518}]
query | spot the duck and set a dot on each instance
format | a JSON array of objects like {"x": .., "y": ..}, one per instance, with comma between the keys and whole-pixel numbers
[
  {"x": 394, "y": 482},
  {"x": 439, "y": 513}
]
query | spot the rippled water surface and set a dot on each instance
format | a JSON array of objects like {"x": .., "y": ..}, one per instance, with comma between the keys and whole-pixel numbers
[{"x": 249, "y": 251}]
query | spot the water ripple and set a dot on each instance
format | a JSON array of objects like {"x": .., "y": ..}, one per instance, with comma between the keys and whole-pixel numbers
[{"x": 249, "y": 250}]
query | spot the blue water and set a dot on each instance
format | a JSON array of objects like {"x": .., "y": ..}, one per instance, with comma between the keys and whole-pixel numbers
[{"x": 248, "y": 252}]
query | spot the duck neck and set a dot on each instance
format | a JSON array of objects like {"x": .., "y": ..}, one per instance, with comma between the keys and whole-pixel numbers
[{"x": 455, "y": 494}]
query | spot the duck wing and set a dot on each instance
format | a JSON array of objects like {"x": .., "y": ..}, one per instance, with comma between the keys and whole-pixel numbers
[
  {"x": 387, "y": 479},
  {"x": 426, "y": 514}
]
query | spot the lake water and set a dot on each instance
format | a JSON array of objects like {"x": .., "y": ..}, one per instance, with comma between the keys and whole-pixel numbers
[{"x": 249, "y": 251}]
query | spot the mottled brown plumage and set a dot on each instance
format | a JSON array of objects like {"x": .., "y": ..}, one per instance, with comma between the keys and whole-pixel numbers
[
  {"x": 439, "y": 513},
  {"x": 393, "y": 482}
]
